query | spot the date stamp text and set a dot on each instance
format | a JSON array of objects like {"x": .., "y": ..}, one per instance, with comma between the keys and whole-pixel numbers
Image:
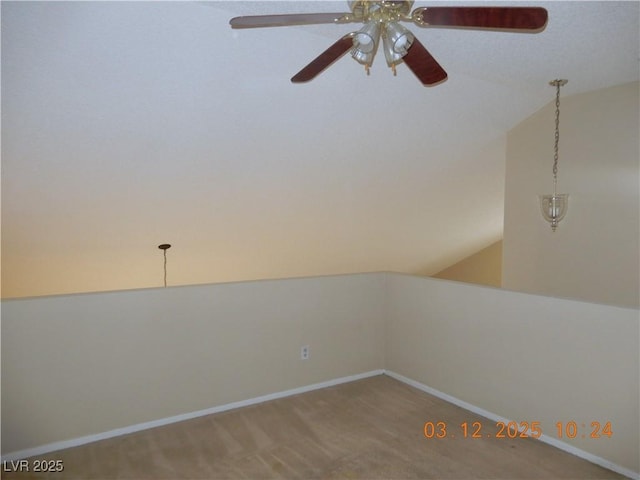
[{"x": 563, "y": 430}]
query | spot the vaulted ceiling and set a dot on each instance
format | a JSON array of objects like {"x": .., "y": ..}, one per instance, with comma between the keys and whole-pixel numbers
[{"x": 130, "y": 124}]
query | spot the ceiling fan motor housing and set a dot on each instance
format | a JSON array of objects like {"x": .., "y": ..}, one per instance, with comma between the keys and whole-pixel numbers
[{"x": 382, "y": 10}]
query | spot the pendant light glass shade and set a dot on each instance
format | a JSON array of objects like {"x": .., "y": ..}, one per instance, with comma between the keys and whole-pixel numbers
[{"x": 554, "y": 208}]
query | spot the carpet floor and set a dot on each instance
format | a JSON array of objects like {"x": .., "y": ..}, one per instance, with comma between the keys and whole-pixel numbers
[{"x": 368, "y": 429}]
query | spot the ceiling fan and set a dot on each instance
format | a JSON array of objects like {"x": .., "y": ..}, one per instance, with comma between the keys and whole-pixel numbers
[{"x": 381, "y": 21}]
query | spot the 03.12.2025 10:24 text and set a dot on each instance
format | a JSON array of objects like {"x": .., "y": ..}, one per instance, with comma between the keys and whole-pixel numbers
[{"x": 513, "y": 429}]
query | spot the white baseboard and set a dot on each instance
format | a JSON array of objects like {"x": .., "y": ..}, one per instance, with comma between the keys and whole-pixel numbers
[
  {"x": 75, "y": 442},
  {"x": 497, "y": 418}
]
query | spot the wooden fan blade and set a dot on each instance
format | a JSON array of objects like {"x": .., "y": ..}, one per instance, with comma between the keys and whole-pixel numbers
[
  {"x": 322, "y": 61},
  {"x": 258, "y": 21},
  {"x": 513, "y": 18},
  {"x": 423, "y": 65}
]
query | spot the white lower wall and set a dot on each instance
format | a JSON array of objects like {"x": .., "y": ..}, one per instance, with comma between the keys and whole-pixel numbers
[
  {"x": 523, "y": 357},
  {"x": 79, "y": 365},
  {"x": 76, "y": 366}
]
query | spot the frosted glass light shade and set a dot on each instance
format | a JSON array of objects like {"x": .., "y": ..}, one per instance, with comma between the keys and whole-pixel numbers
[
  {"x": 366, "y": 39},
  {"x": 390, "y": 55},
  {"x": 399, "y": 37},
  {"x": 365, "y": 58},
  {"x": 554, "y": 208}
]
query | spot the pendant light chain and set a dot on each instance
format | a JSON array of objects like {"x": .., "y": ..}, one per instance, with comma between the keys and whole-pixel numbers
[
  {"x": 558, "y": 84},
  {"x": 164, "y": 247},
  {"x": 557, "y": 140},
  {"x": 165, "y": 267}
]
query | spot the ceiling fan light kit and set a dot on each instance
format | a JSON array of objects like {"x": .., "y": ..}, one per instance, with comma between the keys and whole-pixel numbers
[{"x": 381, "y": 21}]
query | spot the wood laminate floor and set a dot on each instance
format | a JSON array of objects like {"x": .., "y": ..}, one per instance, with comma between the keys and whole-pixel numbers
[{"x": 368, "y": 429}]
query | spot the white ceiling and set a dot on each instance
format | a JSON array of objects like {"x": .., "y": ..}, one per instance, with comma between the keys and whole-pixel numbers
[{"x": 130, "y": 124}]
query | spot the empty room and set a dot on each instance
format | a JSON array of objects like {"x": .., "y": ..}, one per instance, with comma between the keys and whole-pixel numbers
[{"x": 321, "y": 239}]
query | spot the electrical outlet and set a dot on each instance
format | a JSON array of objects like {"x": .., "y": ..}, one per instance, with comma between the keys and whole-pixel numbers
[{"x": 304, "y": 352}]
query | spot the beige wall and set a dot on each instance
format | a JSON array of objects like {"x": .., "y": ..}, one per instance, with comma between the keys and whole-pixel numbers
[
  {"x": 594, "y": 254},
  {"x": 483, "y": 267},
  {"x": 523, "y": 357},
  {"x": 85, "y": 364}
]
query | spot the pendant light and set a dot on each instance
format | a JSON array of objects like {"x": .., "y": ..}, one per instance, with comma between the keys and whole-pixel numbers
[{"x": 554, "y": 207}]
